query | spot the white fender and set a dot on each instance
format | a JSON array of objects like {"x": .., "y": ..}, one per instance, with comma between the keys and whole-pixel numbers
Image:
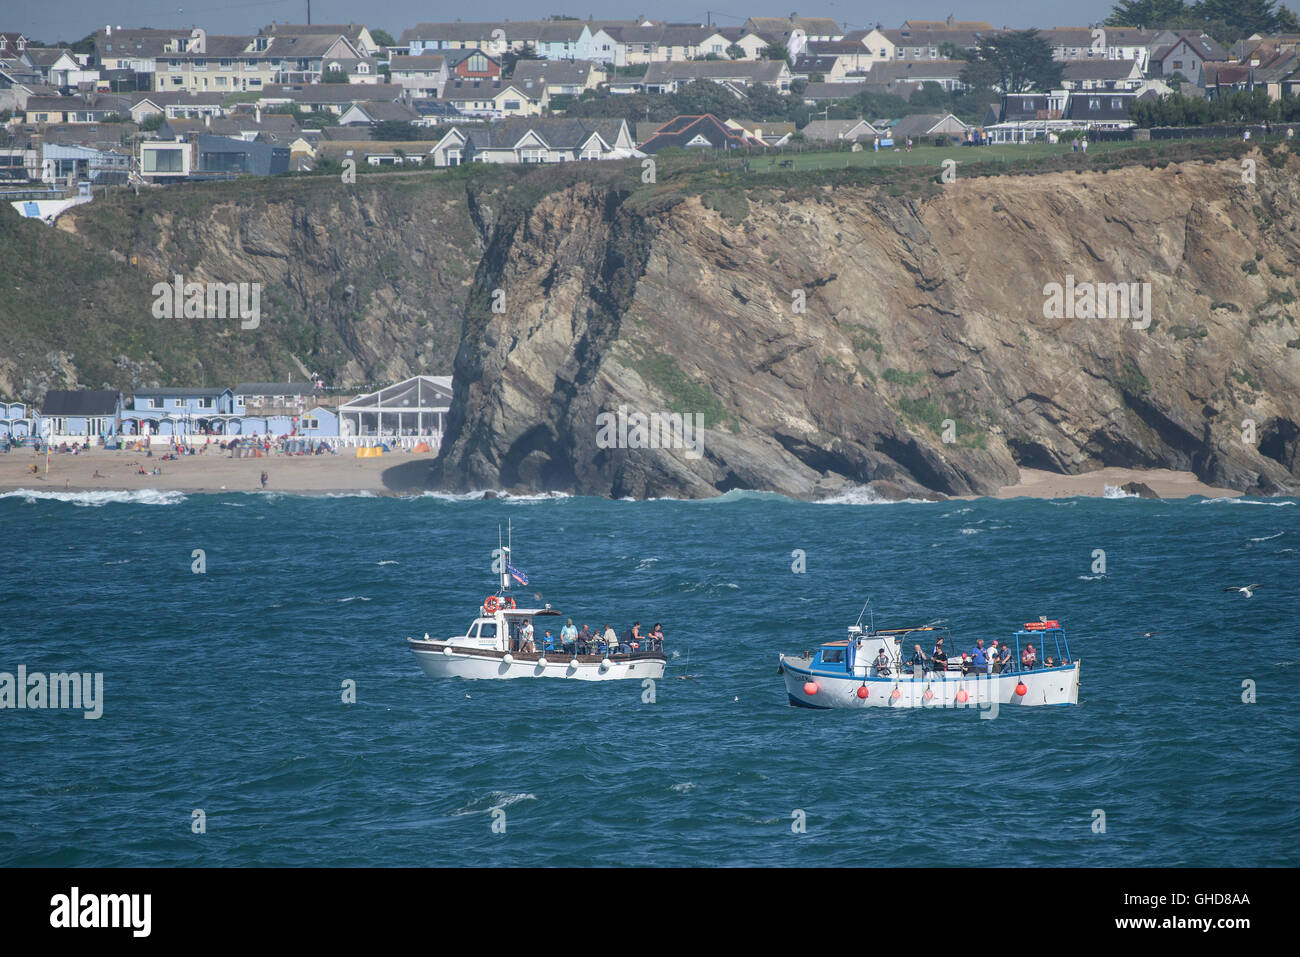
[{"x": 509, "y": 658}]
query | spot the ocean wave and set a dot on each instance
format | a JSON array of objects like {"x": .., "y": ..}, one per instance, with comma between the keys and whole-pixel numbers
[
  {"x": 1244, "y": 501},
  {"x": 1268, "y": 538},
  {"x": 1114, "y": 491},
  {"x": 145, "y": 496},
  {"x": 493, "y": 801},
  {"x": 496, "y": 494},
  {"x": 683, "y": 787},
  {"x": 389, "y": 561},
  {"x": 354, "y": 598},
  {"x": 866, "y": 495},
  {"x": 971, "y": 531},
  {"x": 1090, "y": 578}
]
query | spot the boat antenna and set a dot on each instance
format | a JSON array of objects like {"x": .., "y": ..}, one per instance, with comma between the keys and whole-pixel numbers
[{"x": 864, "y": 610}]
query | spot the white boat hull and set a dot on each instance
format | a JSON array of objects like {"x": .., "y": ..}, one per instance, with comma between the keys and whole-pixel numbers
[
  {"x": 440, "y": 659},
  {"x": 1042, "y": 687}
]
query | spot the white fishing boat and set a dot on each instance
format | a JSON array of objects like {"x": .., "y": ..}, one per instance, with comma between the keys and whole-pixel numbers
[
  {"x": 873, "y": 668},
  {"x": 495, "y": 645}
]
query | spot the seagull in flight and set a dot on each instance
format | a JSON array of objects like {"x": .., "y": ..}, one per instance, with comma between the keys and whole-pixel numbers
[
  {"x": 1149, "y": 634},
  {"x": 1246, "y": 590}
]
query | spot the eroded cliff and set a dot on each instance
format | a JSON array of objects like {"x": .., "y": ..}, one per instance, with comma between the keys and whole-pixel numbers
[{"x": 916, "y": 310}]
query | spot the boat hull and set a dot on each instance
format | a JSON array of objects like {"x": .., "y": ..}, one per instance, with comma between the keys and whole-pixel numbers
[
  {"x": 1044, "y": 686},
  {"x": 442, "y": 660}
]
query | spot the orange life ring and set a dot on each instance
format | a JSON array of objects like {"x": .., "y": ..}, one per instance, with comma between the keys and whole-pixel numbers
[
  {"x": 491, "y": 604},
  {"x": 507, "y": 602}
]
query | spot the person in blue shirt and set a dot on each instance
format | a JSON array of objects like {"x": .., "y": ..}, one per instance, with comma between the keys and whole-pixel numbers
[
  {"x": 569, "y": 637},
  {"x": 978, "y": 658}
]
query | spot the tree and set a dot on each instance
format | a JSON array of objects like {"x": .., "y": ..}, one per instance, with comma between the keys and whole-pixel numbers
[
  {"x": 1147, "y": 13},
  {"x": 736, "y": 51},
  {"x": 776, "y": 51},
  {"x": 151, "y": 123},
  {"x": 951, "y": 51},
  {"x": 334, "y": 76},
  {"x": 1246, "y": 16},
  {"x": 1023, "y": 61},
  {"x": 383, "y": 38},
  {"x": 511, "y": 58}
]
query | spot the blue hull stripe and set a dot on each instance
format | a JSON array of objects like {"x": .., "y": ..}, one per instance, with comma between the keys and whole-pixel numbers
[{"x": 804, "y": 704}]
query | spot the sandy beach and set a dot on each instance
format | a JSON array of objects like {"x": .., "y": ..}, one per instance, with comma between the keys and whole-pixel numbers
[
  {"x": 401, "y": 472},
  {"x": 213, "y": 471},
  {"x": 1035, "y": 483}
]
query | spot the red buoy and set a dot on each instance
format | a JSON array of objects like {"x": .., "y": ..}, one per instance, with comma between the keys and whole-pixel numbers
[
  {"x": 962, "y": 696},
  {"x": 929, "y": 695},
  {"x": 1021, "y": 689},
  {"x": 863, "y": 692},
  {"x": 810, "y": 687},
  {"x": 896, "y": 694}
]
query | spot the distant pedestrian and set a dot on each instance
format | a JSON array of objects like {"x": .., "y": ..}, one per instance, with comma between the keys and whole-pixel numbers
[
  {"x": 1074, "y": 145},
  {"x": 909, "y": 144},
  {"x": 876, "y": 144},
  {"x": 1083, "y": 145},
  {"x": 264, "y": 479}
]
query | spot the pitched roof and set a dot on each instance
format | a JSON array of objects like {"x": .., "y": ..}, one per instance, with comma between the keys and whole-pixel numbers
[
  {"x": 833, "y": 130},
  {"x": 426, "y": 61},
  {"x": 681, "y": 130},
  {"x": 555, "y": 132},
  {"x": 757, "y": 71},
  {"x": 1099, "y": 69},
  {"x": 553, "y": 71},
  {"x": 80, "y": 402}
]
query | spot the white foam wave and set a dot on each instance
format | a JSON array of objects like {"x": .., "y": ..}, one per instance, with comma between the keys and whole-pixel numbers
[
  {"x": 354, "y": 598},
  {"x": 1244, "y": 501},
  {"x": 1114, "y": 491},
  {"x": 1268, "y": 538},
  {"x": 493, "y": 801},
  {"x": 866, "y": 495},
  {"x": 146, "y": 496},
  {"x": 388, "y": 561},
  {"x": 971, "y": 531},
  {"x": 683, "y": 787}
]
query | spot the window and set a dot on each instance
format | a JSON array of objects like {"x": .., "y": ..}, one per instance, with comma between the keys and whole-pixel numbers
[
  {"x": 173, "y": 64},
  {"x": 512, "y": 105},
  {"x": 1116, "y": 103},
  {"x": 164, "y": 161},
  {"x": 488, "y": 629},
  {"x": 308, "y": 422},
  {"x": 1094, "y": 103},
  {"x": 155, "y": 403},
  {"x": 207, "y": 404},
  {"x": 178, "y": 403},
  {"x": 225, "y": 64},
  {"x": 1178, "y": 64},
  {"x": 200, "y": 64}
]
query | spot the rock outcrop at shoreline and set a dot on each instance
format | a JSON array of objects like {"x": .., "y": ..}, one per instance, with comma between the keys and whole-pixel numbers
[{"x": 839, "y": 337}]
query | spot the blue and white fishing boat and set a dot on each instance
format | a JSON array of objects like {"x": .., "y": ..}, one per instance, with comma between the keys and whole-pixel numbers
[{"x": 874, "y": 668}]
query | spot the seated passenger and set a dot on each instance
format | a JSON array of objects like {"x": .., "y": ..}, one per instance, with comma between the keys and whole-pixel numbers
[
  {"x": 656, "y": 637},
  {"x": 882, "y": 663},
  {"x": 1049, "y": 663}
]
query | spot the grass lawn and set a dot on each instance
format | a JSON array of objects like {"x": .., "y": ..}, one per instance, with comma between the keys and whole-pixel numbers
[{"x": 935, "y": 155}]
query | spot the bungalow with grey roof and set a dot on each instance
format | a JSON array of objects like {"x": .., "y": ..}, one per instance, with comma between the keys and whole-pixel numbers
[
  {"x": 1101, "y": 75},
  {"x": 735, "y": 74},
  {"x": 543, "y": 140}
]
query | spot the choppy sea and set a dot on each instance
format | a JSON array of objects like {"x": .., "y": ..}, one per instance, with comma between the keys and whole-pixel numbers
[{"x": 223, "y": 690}]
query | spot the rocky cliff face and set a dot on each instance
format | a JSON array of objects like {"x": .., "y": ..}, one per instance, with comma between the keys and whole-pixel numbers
[
  {"x": 843, "y": 336},
  {"x": 361, "y": 283}
]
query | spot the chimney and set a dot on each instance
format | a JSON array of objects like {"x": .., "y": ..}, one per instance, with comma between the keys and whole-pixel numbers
[
  {"x": 949, "y": 21},
  {"x": 108, "y": 29},
  {"x": 207, "y": 119}
]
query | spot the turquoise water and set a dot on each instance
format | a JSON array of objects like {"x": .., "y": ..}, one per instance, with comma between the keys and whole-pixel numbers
[{"x": 223, "y": 690}]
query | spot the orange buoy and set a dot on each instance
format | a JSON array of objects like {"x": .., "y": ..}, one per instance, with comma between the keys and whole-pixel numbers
[
  {"x": 896, "y": 694},
  {"x": 1021, "y": 689},
  {"x": 929, "y": 695},
  {"x": 810, "y": 687},
  {"x": 962, "y": 696},
  {"x": 863, "y": 692}
]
